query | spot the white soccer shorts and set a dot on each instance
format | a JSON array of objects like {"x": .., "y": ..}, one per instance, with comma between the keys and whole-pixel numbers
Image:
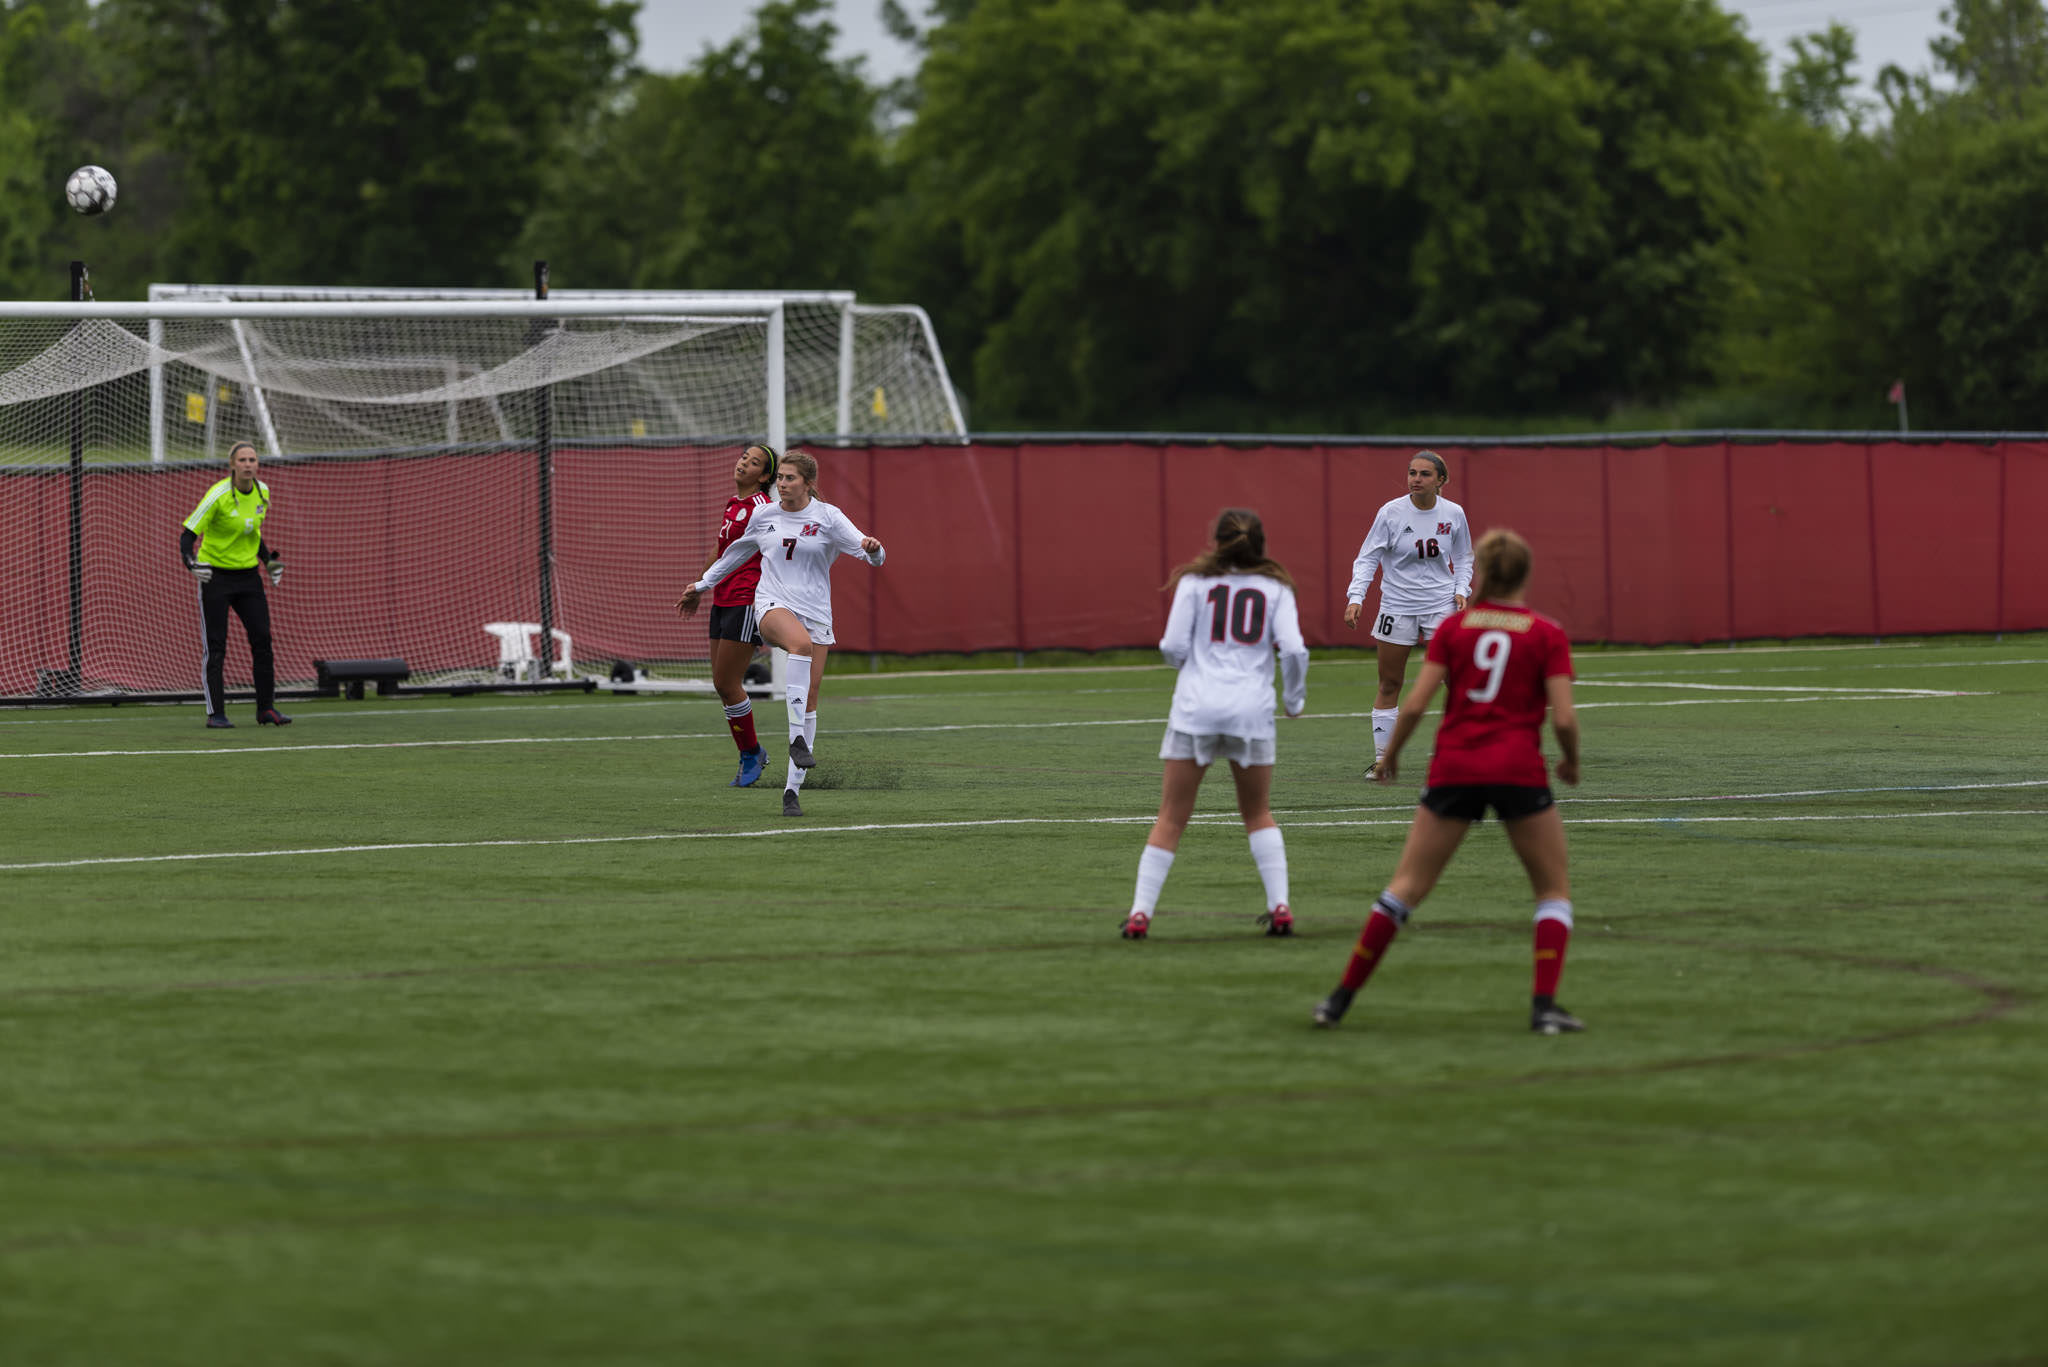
[
  {"x": 1244, "y": 751},
  {"x": 821, "y": 632},
  {"x": 1407, "y": 631}
]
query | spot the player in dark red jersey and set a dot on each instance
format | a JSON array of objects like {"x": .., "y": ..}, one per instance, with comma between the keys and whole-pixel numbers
[
  {"x": 735, "y": 634},
  {"x": 1505, "y": 665}
]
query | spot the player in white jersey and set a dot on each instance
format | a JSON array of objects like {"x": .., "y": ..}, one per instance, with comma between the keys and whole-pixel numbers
[
  {"x": 1233, "y": 608},
  {"x": 797, "y": 540},
  {"x": 1421, "y": 545}
]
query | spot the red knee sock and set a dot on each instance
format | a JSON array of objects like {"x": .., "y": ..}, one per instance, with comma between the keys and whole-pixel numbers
[
  {"x": 1380, "y": 930},
  {"x": 1551, "y": 938},
  {"x": 742, "y": 725}
]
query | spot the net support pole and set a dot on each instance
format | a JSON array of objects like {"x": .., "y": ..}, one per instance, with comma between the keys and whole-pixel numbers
[
  {"x": 77, "y": 567},
  {"x": 845, "y": 412},
  {"x": 257, "y": 400},
  {"x": 156, "y": 392},
  {"x": 778, "y": 388},
  {"x": 544, "y": 447}
]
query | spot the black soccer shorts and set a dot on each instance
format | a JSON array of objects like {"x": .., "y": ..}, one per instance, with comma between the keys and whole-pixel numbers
[
  {"x": 735, "y": 624},
  {"x": 1469, "y": 801}
]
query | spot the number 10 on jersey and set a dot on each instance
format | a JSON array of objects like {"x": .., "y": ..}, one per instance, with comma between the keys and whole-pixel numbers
[{"x": 1242, "y": 614}]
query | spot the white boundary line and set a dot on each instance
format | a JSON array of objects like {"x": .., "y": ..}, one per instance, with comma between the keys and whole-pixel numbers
[
  {"x": 773, "y": 831},
  {"x": 1564, "y": 800},
  {"x": 1905, "y": 695}
]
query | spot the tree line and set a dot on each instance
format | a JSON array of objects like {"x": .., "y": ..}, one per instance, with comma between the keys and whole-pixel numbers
[{"x": 1271, "y": 215}]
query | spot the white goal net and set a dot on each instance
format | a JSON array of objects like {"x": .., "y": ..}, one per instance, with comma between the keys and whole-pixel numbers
[{"x": 489, "y": 487}]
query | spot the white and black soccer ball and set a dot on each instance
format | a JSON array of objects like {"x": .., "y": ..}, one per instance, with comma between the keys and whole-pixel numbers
[{"x": 90, "y": 190}]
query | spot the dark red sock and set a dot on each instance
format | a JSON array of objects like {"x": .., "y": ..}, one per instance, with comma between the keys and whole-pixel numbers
[
  {"x": 1379, "y": 932},
  {"x": 1551, "y": 938},
  {"x": 743, "y": 732}
]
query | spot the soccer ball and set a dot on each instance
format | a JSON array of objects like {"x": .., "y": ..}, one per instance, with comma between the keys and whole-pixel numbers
[{"x": 90, "y": 190}]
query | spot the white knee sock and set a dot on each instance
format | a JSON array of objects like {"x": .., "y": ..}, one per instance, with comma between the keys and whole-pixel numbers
[
  {"x": 796, "y": 691},
  {"x": 796, "y": 775},
  {"x": 1382, "y": 728},
  {"x": 1269, "y": 852},
  {"x": 1152, "y": 867}
]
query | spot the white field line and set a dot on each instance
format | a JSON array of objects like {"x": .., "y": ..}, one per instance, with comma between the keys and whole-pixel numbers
[
  {"x": 1810, "y": 669},
  {"x": 847, "y": 681},
  {"x": 773, "y": 831},
  {"x": 1769, "y": 688},
  {"x": 1902, "y": 695},
  {"x": 1706, "y": 797}
]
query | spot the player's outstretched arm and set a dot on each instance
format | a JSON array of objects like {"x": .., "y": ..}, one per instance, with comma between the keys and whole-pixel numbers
[{"x": 734, "y": 556}]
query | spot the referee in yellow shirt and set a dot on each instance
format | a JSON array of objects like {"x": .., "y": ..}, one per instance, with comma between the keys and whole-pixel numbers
[{"x": 222, "y": 545}]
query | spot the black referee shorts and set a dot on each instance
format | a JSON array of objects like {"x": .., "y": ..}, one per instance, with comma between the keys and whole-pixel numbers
[
  {"x": 735, "y": 624},
  {"x": 1469, "y": 801}
]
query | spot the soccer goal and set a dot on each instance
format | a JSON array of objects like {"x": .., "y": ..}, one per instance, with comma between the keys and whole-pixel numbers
[{"x": 499, "y": 490}]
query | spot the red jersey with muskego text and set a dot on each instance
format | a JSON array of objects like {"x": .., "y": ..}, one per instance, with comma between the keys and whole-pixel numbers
[
  {"x": 1499, "y": 658},
  {"x": 736, "y": 590}
]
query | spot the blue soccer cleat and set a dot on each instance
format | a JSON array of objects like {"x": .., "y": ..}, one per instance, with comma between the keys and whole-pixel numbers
[{"x": 753, "y": 763}]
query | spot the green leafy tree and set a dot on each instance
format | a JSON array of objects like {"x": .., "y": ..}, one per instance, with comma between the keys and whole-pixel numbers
[
  {"x": 26, "y": 199},
  {"x": 380, "y": 141},
  {"x": 1997, "y": 51},
  {"x": 1291, "y": 203},
  {"x": 757, "y": 168},
  {"x": 1973, "y": 286}
]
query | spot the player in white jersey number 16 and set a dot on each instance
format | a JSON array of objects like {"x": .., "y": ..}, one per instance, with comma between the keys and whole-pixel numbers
[{"x": 1421, "y": 547}]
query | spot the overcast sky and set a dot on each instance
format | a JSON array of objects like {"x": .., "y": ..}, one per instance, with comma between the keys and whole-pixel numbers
[{"x": 674, "y": 32}]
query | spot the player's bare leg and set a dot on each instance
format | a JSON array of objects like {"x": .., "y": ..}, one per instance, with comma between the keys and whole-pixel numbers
[
  {"x": 1386, "y": 700},
  {"x": 729, "y": 661},
  {"x": 1269, "y": 850},
  {"x": 1178, "y": 789},
  {"x": 1432, "y": 840},
  {"x": 1539, "y": 841}
]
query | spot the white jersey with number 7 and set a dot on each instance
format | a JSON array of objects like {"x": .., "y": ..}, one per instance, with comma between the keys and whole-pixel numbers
[
  {"x": 797, "y": 550},
  {"x": 1424, "y": 557},
  {"x": 1222, "y": 635}
]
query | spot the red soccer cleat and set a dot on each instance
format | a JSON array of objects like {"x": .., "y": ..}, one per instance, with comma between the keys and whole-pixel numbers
[
  {"x": 1278, "y": 921},
  {"x": 1136, "y": 924}
]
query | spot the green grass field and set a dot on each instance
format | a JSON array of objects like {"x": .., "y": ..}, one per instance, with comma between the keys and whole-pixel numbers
[{"x": 501, "y": 1031}]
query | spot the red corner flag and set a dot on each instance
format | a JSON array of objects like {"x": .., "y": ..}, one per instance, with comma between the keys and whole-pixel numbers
[{"x": 1897, "y": 393}]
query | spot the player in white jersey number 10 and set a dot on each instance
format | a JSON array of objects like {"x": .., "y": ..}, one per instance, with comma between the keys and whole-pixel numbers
[
  {"x": 797, "y": 540},
  {"x": 1421, "y": 546},
  {"x": 1233, "y": 609}
]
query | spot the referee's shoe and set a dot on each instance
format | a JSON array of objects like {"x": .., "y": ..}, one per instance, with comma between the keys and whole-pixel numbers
[{"x": 270, "y": 716}]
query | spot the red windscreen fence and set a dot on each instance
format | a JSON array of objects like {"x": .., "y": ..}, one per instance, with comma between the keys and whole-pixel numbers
[
  {"x": 1044, "y": 544},
  {"x": 1047, "y": 544}
]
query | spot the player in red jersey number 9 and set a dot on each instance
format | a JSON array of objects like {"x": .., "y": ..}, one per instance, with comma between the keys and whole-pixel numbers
[{"x": 1504, "y": 666}]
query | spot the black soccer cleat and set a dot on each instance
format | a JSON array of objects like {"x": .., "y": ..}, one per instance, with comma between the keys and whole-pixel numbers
[
  {"x": 1331, "y": 1009},
  {"x": 218, "y": 721},
  {"x": 270, "y": 716},
  {"x": 800, "y": 753},
  {"x": 1554, "y": 1020},
  {"x": 790, "y": 806}
]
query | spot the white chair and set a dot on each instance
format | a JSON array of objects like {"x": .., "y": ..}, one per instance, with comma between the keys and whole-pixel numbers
[{"x": 516, "y": 657}]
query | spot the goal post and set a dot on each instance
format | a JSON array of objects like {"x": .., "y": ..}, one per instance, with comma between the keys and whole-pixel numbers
[{"x": 402, "y": 440}]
